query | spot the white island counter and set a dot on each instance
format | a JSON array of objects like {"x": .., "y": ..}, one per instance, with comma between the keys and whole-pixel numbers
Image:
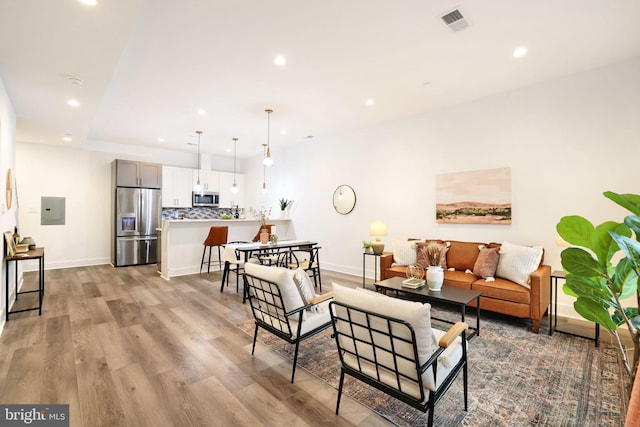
[{"x": 182, "y": 241}]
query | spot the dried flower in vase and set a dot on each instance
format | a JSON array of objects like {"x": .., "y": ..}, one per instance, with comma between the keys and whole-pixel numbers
[
  {"x": 261, "y": 215},
  {"x": 433, "y": 253}
]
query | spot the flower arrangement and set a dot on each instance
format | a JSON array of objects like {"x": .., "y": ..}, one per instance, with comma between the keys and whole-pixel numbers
[
  {"x": 284, "y": 203},
  {"x": 261, "y": 214},
  {"x": 433, "y": 253}
]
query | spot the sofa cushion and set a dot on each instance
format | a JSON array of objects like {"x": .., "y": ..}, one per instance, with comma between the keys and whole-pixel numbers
[
  {"x": 283, "y": 277},
  {"x": 462, "y": 255},
  {"x": 487, "y": 262},
  {"x": 304, "y": 284},
  {"x": 502, "y": 289},
  {"x": 458, "y": 279},
  {"x": 517, "y": 262},
  {"x": 404, "y": 252}
]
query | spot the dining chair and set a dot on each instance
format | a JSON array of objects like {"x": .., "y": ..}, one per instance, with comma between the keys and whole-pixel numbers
[
  {"x": 307, "y": 258},
  {"x": 233, "y": 259}
]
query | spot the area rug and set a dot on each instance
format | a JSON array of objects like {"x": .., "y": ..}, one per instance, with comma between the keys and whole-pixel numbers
[{"x": 516, "y": 378}]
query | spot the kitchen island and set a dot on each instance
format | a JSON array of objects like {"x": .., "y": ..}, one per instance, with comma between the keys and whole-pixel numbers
[{"x": 182, "y": 241}]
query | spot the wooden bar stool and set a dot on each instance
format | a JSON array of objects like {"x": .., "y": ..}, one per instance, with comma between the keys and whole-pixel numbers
[{"x": 217, "y": 237}]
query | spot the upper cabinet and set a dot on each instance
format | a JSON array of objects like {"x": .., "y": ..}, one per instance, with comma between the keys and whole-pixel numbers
[
  {"x": 208, "y": 180},
  {"x": 227, "y": 197},
  {"x": 129, "y": 173},
  {"x": 176, "y": 187}
]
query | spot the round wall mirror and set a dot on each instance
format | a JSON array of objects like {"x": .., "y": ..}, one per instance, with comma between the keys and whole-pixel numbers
[{"x": 344, "y": 199}]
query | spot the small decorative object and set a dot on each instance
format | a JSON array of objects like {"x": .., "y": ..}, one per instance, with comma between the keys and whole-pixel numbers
[
  {"x": 11, "y": 244},
  {"x": 264, "y": 236},
  {"x": 274, "y": 239},
  {"x": 435, "y": 274},
  {"x": 29, "y": 242},
  {"x": 367, "y": 246},
  {"x": 435, "y": 277},
  {"x": 261, "y": 215},
  {"x": 284, "y": 204},
  {"x": 378, "y": 229},
  {"x": 415, "y": 277}
]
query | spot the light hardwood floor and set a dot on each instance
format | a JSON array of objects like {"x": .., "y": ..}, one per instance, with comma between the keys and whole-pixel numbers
[{"x": 124, "y": 347}]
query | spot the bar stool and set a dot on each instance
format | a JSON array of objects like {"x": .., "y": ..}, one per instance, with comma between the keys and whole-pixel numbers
[{"x": 217, "y": 237}]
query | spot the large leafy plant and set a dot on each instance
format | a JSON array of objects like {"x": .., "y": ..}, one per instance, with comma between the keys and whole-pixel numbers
[{"x": 603, "y": 270}]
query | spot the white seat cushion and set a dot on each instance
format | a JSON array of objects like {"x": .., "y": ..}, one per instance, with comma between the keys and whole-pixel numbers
[{"x": 283, "y": 277}]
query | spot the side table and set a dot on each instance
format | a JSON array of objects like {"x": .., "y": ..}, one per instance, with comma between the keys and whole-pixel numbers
[
  {"x": 553, "y": 312},
  {"x": 37, "y": 253},
  {"x": 364, "y": 263}
]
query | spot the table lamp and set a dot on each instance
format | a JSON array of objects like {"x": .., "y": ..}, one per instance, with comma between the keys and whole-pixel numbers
[{"x": 378, "y": 229}]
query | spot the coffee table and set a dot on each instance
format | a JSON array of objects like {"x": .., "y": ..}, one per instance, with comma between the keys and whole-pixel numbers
[{"x": 448, "y": 295}]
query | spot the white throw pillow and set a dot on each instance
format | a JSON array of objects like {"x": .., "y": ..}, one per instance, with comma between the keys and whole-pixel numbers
[
  {"x": 283, "y": 277},
  {"x": 404, "y": 252},
  {"x": 516, "y": 263},
  {"x": 304, "y": 284}
]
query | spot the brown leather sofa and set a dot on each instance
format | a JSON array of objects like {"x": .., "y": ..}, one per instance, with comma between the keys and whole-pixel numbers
[{"x": 501, "y": 296}]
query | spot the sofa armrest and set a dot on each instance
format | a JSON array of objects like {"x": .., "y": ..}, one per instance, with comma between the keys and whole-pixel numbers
[
  {"x": 540, "y": 291},
  {"x": 320, "y": 298},
  {"x": 386, "y": 259}
]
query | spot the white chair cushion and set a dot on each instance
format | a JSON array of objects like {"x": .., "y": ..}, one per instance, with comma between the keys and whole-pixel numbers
[
  {"x": 305, "y": 287},
  {"x": 283, "y": 277}
]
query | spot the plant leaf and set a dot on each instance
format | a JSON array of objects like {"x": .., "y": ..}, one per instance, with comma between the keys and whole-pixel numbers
[
  {"x": 625, "y": 280},
  {"x": 630, "y": 202},
  {"x": 630, "y": 248},
  {"x": 594, "y": 289},
  {"x": 576, "y": 230},
  {"x": 603, "y": 242},
  {"x": 580, "y": 262},
  {"x": 595, "y": 312},
  {"x": 633, "y": 222},
  {"x": 635, "y": 320}
]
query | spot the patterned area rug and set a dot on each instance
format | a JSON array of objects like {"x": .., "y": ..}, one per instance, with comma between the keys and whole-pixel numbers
[{"x": 516, "y": 378}]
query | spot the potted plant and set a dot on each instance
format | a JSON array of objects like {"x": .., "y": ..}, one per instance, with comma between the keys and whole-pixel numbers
[
  {"x": 284, "y": 204},
  {"x": 367, "y": 246},
  {"x": 435, "y": 274},
  {"x": 599, "y": 285}
]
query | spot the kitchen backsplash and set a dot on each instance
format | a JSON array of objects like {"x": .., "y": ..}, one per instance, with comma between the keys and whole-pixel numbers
[{"x": 195, "y": 213}]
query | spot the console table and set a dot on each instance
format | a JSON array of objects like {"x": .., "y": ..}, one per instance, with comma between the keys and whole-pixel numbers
[{"x": 37, "y": 253}]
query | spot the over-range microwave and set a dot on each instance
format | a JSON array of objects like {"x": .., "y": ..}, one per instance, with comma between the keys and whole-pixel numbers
[{"x": 205, "y": 198}]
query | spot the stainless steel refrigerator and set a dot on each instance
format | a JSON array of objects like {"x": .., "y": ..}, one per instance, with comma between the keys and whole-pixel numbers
[{"x": 137, "y": 216}]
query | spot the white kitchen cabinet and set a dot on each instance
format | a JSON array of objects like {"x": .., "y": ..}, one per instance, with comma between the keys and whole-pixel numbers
[
  {"x": 227, "y": 198},
  {"x": 208, "y": 180},
  {"x": 176, "y": 187}
]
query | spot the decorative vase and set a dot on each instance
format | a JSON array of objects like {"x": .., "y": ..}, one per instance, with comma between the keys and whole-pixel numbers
[
  {"x": 283, "y": 214},
  {"x": 435, "y": 277},
  {"x": 264, "y": 236}
]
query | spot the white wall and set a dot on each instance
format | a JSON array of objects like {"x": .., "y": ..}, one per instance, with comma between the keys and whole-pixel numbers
[
  {"x": 7, "y": 161},
  {"x": 566, "y": 142}
]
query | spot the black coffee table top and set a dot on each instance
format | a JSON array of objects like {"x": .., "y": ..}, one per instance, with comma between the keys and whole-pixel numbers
[{"x": 447, "y": 294}]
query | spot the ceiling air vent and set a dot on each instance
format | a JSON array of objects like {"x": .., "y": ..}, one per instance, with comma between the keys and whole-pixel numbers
[{"x": 454, "y": 20}]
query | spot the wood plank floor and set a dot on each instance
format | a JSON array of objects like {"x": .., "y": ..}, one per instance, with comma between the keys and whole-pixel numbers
[{"x": 124, "y": 347}]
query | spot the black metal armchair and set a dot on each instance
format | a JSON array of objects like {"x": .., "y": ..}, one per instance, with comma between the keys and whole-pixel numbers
[
  {"x": 278, "y": 307},
  {"x": 402, "y": 358}
]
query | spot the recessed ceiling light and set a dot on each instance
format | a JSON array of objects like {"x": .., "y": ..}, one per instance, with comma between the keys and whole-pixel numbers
[
  {"x": 89, "y": 2},
  {"x": 201, "y": 111},
  {"x": 283, "y": 132},
  {"x": 308, "y": 137},
  {"x": 369, "y": 101},
  {"x": 520, "y": 52},
  {"x": 67, "y": 138},
  {"x": 160, "y": 139},
  {"x": 75, "y": 80},
  {"x": 280, "y": 60},
  {"x": 73, "y": 103}
]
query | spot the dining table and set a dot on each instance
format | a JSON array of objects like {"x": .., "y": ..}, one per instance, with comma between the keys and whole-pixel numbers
[{"x": 238, "y": 253}]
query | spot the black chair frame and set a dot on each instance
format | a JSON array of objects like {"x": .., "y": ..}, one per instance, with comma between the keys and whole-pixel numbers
[
  {"x": 269, "y": 313},
  {"x": 291, "y": 259},
  {"x": 422, "y": 403}
]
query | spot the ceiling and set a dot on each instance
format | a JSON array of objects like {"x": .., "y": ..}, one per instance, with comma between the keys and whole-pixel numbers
[{"x": 148, "y": 66}]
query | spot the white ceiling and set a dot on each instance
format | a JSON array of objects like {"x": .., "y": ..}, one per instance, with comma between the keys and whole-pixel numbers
[{"x": 148, "y": 66}]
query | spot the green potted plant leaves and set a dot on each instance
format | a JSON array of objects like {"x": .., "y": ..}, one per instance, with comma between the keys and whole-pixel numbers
[
  {"x": 600, "y": 286},
  {"x": 284, "y": 204},
  {"x": 367, "y": 246}
]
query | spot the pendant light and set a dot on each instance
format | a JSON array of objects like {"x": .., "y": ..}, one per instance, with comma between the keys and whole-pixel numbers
[
  {"x": 268, "y": 161},
  {"x": 198, "y": 187},
  {"x": 234, "y": 187},
  {"x": 264, "y": 171}
]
